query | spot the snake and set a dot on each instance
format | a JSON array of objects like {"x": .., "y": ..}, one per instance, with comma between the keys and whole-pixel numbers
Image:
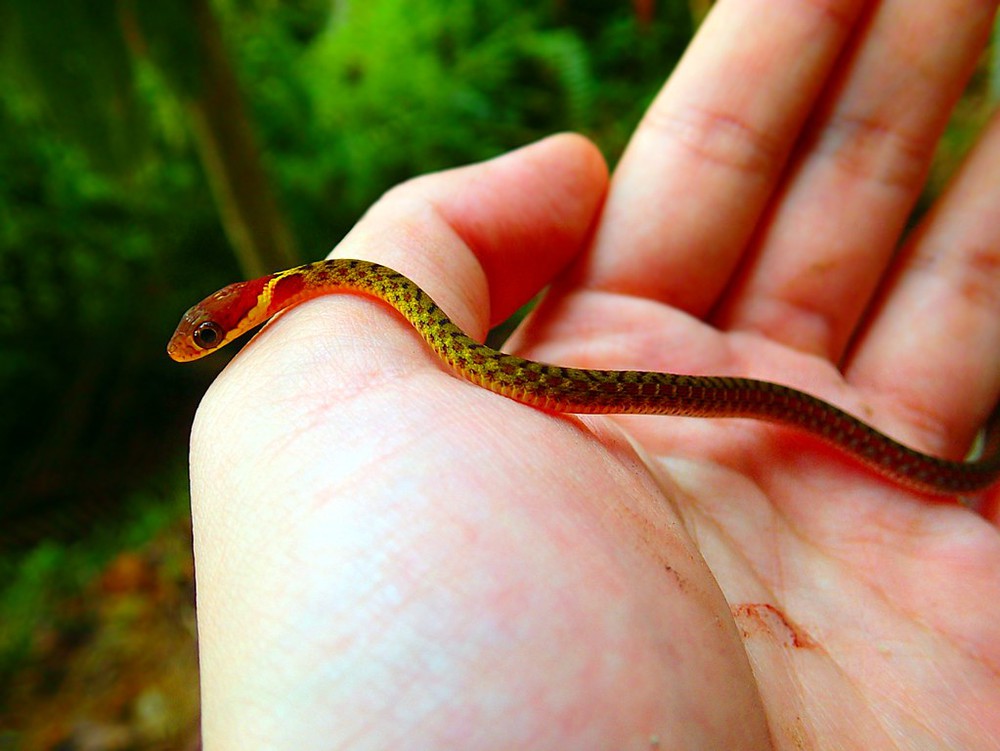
[{"x": 232, "y": 311}]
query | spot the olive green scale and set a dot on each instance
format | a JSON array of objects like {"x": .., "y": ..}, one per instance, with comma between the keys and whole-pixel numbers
[{"x": 583, "y": 391}]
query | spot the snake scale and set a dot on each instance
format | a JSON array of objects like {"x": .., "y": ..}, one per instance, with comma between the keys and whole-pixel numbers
[{"x": 233, "y": 310}]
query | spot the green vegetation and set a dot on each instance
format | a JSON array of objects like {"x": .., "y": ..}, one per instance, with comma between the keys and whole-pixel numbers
[
  {"x": 39, "y": 582},
  {"x": 124, "y": 198},
  {"x": 97, "y": 637},
  {"x": 153, "y": 152}
]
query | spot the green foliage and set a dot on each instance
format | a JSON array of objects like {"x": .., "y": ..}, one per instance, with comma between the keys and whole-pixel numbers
[
  {"x": 38, "y": 581},
  {"x": 85, "y": 299},
  {"x": 994, "y": 62},
  {"x": 163, "y": 33},
  {"x": 39, "y": 588},
  {"x": 388, "y": 89},
  {"x": 108, "y": 231},
  {"x": 400, "y": 87},
  {"x": 69, "y": 62}
]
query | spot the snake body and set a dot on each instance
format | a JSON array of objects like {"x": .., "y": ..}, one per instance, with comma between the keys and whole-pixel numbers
[{"x": 233, "y": 310}]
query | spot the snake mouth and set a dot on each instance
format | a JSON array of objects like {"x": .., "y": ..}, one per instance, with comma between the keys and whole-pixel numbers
[
  {"x": 180, "y": 347},
  {"x": 179, "y": 353}
]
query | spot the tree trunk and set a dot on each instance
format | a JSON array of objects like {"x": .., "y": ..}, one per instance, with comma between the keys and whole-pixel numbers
[{"x": 229, "y": 153}]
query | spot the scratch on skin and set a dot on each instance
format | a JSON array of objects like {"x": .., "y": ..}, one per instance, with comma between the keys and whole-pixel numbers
[{"x": 754, "y": 618}]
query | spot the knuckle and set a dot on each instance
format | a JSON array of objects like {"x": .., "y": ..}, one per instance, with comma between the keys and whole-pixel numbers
[{"x": 719, "y": 137}]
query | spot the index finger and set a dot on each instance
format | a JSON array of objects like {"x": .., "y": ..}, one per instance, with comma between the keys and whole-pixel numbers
[{"x": 697, "y": 174}]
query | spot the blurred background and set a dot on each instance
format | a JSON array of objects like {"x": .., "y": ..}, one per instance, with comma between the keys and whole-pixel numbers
[{"x": 151, "y": 153}]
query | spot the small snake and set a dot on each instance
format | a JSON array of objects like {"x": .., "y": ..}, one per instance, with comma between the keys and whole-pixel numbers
[{"x": 233, "y": 310}]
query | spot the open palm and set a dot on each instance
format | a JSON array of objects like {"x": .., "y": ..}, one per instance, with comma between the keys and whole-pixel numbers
[{"x": 391, "y": 557}]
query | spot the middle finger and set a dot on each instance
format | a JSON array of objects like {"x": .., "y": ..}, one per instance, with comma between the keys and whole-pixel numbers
[
  {"x": 858, "y": 171},
  {"x": 689, "y": 190}
]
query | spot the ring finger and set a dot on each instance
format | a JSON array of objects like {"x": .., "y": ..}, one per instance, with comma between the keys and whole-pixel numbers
[{"x": 837, "y": 219}]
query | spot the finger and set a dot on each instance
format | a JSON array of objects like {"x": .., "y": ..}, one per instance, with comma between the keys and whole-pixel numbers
[
  {"x": 523, "y": 215},
  {"x": 482, "y": 240},
  {"x": 933, "y": 348},
  {"x": 859, "y": 171},
  {"x": 691, "y": 186}
]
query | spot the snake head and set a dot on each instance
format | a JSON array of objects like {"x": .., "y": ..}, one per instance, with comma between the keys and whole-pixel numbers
[{"x": 217, "y": 320}]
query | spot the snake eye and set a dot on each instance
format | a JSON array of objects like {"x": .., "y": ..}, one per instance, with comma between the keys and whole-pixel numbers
[{"x": 207, "y": 335}]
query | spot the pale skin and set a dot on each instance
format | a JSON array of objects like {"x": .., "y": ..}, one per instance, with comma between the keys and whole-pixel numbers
[{"x": 389, "y": 557}]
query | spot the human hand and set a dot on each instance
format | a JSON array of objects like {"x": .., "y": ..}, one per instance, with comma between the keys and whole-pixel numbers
[{"x": 388, "y": 555}]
